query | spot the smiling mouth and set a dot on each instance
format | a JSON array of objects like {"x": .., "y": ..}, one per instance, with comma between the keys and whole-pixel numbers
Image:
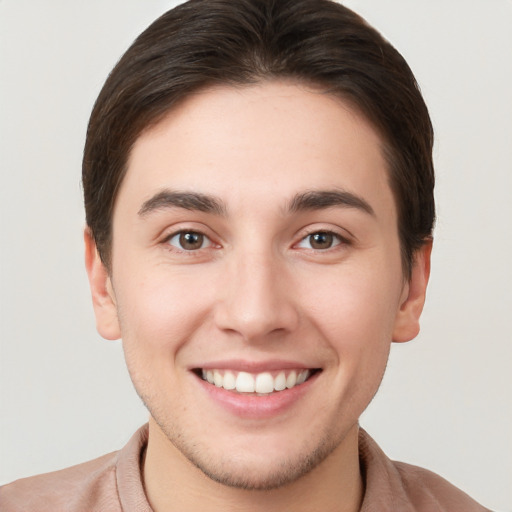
[{"x": 260, "y": 384}]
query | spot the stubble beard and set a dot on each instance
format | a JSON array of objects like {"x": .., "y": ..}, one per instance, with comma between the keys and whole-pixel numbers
[{"x": 244, "y": 475}]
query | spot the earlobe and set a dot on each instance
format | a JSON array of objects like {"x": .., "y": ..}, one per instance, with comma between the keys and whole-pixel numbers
[
  {"x": 103, "y": 298},
  {"x": 407, "y": 324}
]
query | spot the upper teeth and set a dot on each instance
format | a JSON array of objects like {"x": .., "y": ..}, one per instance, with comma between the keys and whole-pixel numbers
[{"x": 244, "y": 382}]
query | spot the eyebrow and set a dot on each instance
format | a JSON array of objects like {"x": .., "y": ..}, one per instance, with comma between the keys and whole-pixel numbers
[
  {"x": 187, "y": 200},
  {"x": 320, "y": 199},
  {"x": 309, "y": 200}
]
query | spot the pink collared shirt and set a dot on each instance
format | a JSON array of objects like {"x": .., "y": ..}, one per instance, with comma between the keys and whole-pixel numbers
[{"x": 113, "y": 483}]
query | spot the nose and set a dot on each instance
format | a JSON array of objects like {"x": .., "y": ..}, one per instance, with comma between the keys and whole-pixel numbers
[{"x": 257, "y": 300}]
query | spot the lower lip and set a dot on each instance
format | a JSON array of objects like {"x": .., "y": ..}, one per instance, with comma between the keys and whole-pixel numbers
[{"x": 251, "y": 406}]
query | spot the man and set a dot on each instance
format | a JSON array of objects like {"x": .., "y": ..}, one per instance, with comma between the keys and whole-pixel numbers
[{"x": 258, "y": 186}]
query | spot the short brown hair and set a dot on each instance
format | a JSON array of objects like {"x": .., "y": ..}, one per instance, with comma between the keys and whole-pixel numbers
[{"x": 209, "y": 42}]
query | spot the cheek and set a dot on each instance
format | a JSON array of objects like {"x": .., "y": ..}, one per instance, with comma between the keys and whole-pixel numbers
[
  {"x": 158, "y": 313},
  {"x": 354, "y": 309}
]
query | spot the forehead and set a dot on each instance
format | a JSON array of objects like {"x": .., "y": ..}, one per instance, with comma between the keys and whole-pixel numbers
[{"x": 256, "y": 141}]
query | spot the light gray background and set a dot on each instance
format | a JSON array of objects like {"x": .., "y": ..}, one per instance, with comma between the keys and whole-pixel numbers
[{"x": 65, "y": 396}]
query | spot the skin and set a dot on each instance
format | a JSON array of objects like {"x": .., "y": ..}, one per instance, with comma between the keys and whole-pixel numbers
[{"x": 256, "y": 290}]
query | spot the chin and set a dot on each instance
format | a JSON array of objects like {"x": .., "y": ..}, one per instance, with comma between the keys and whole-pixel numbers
[{"x": 256, "y": 469}]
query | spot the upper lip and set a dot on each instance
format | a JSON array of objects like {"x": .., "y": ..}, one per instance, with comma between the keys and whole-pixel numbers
[{"x": 254, "y": 366}]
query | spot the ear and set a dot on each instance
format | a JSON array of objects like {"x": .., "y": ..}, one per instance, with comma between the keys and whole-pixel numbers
[
  {"x": 407, "y": 323},
  {"x": 103, "y": 298}
]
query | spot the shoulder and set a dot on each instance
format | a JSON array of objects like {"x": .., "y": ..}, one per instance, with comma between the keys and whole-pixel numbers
[
  {"x": 396, "y": 486},
  {"x": 428, "y": 490},
  {"x": 89, "y": 486},
  {"x": 111, "y": 483}
]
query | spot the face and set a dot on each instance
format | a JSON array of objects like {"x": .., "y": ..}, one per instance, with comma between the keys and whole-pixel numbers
[{"x": 256, "y": 278}]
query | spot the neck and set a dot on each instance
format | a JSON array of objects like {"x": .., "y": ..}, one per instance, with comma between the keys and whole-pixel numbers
[{"x": 173, "y": 483}]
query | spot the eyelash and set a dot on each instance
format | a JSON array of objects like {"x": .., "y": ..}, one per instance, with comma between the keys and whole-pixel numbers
[{"x": 337, "y": 240}]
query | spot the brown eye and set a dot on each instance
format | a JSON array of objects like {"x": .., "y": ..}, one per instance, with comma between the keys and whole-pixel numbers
[
  {"x": 189, "y": 241},
  {"x": 320, "y": 240}
]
